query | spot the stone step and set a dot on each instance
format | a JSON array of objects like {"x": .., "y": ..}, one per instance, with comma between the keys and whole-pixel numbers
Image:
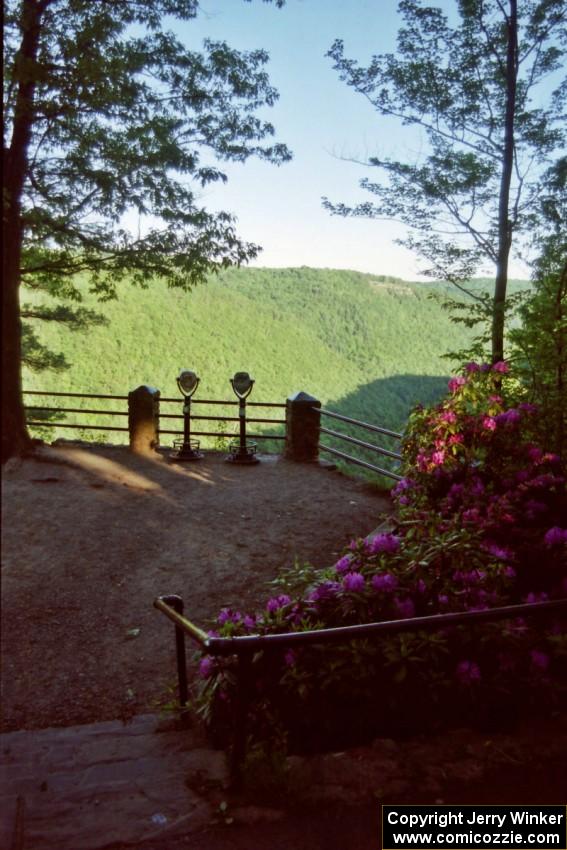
[{"x": 89, "y": 787}]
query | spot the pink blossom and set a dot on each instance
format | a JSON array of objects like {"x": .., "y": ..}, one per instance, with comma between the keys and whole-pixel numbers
[
  {"x": 405, "y": 607},
  {"x": 477, "y": 488},
  {"x": 535, "y": 453},
  {"x": 402, "y": 486},
  {"x": 455, "y": 383},
  {"x": 384, "y": 582},
  {"x": 497, "y": 551},
  {"x": 385, "y": 543},
  {"x": 540, "y": 660},
  {"x": 421, "y": 461},
  {"x": 326, "y": 590},
  {"x": 472, "y": 367},
  {"x": 343, "y": 564},
  {"x": 533, "y": 508},
  {"x": 277, "y": 602},
  {"x": 206, "y": 667},
  {"x": 531, "y": 598},
  {"x": 472, "y": 515},
  {"x": 555, "y": 536},
  {"x": 468, "y": 672},
  {"x": 448, "y": 416},
  {"x": 353, "y": 582},
  {"x": 501, "y": 367},
  {"x": 489, "y": 423},
  {"x": 227, "y": 615},
  {"x": 454, "y": 439},
  {"x": 509, "y": 417},
  {"x": 438, "y": 457}
]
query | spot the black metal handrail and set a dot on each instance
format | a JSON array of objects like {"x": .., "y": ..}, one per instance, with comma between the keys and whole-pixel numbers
[
  {"x": 359, "y": 462},
  {"x": 87, "y": 426},
  {"x": 347, "y": 438},
  {"x": 244, "y": 646},
  {"x": 75, "y": 395},
  {"x": 227, "y": 402},
  {"x": 221, "y": 418},
  {"x": 226, "y": 434},
  {"x": 376, "y": 429},
  {"x": 76, "y": 410}
]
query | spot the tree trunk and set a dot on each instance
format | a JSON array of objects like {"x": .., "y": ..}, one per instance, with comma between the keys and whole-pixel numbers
[
  {"x": 15, "y": 438},
  {"x": 504, "y": 223},
  {"x": 560, "y": 437}
]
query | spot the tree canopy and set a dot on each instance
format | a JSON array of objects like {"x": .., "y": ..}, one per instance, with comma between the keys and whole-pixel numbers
[
  {"x": 475, "y": 91},
  {"x": 110, "y": 119}
]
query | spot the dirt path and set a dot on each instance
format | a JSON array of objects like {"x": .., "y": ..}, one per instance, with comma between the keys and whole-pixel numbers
[{"x": 92, "y": 536}]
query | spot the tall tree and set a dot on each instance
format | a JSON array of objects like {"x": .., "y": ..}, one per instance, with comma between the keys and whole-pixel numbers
[
  {"x": 475, "y": 91},
  {"x": 540, "y": 342},
  {"x": 108, "y": 116}
]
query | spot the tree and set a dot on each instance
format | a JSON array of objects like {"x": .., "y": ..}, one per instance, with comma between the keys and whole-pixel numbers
[
  {"x": 108, "y": 116},
  {"x": 540, "y": 343},
  {"x": 473, "y": 91}
]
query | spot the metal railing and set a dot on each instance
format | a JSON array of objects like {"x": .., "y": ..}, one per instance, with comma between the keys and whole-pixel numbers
[
  {"x": 245, "y": 646},
  {"x": 49, "y": 423},
  {"x": 227, "y": 403},
  {"x": 376, "y": 429}
]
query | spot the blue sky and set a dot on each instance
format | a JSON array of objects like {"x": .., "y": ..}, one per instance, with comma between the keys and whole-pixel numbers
[{"x": 323, "y": 122}]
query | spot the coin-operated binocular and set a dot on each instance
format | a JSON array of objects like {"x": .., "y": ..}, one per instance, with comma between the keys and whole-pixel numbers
[
  {"x": 187, "y": 448},
  {"x": 240, "y": 450}
]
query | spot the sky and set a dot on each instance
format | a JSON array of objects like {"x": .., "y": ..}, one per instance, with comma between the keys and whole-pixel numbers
[{"x": 325, "y": 124}]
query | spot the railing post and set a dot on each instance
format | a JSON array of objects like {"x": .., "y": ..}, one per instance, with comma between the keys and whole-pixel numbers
[
  {"x": 176, "y": 602},
  {"x": 238, "y": 752},
  {"x": 302, "y": 428},
  {"x": 143, "y": 419}
]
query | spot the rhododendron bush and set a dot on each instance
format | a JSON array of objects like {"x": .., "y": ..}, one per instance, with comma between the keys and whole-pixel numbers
[{"x": 480, "y": 523}]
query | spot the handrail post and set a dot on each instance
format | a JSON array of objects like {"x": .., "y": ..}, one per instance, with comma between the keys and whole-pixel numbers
[
  {"x": 176, "y": 602},
  {"x": 143, "y": 419},
  {"x": 302, "y": 429},
  {"x": 241, "y": 718}
]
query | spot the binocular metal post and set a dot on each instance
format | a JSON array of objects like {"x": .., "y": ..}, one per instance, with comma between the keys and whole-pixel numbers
[
  {"x": 241, "y": 451},
  {"x": 187, "y": 449}
]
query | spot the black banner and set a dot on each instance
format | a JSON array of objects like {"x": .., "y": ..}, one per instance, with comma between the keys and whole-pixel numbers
[{"x": 480, "y": 827}]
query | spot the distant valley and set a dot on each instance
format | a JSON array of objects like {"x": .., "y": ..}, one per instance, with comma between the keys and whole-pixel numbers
[{"x": 366, "y": 345}]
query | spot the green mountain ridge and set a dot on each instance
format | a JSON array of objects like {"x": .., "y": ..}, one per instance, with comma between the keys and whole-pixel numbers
[{"x": 369, "y": 346}]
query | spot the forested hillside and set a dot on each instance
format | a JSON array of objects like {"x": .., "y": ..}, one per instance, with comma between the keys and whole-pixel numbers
[{"x": 365, "y": 345}]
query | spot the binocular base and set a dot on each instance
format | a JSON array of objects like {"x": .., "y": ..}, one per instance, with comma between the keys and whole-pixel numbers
[
  {"x": 245, "y": 455},
  {"x": 186, "y": 451}
]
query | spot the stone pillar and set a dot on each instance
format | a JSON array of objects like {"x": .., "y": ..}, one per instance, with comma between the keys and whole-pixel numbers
[
  {"x": 302, "y": 427},
  {"x": 143, "y": 419}
]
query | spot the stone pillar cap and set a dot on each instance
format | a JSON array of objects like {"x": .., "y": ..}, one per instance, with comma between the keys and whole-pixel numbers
[
  {"x": 302, "y": 396},
  {"x": 147, "y": 388}
]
